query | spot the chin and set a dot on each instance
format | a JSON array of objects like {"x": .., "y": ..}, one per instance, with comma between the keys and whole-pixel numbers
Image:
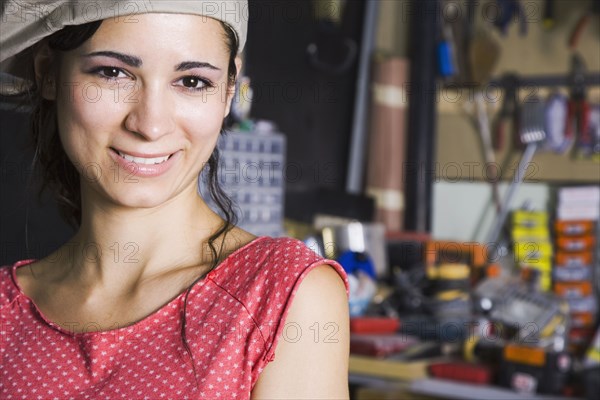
[
  {"x": 141, "y": 201},
  {"x": 146, "y": 198},
  {"x": 136, "y": 195}
]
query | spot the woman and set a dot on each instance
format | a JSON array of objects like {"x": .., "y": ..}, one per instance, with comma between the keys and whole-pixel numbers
[{"x": 155, "y": 296}]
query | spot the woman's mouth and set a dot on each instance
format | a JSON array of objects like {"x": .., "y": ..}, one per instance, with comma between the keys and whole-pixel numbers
[
  {"x": 145, "y": 165},
  {"x": 144, "y": 160}
]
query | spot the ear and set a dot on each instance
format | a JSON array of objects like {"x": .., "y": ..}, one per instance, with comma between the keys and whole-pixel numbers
[
  {"x": 43, "y": 62},
  {"x": 231, "y": 89}
]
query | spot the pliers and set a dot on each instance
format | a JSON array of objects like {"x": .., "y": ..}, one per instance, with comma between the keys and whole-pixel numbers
[
  {"x": 508, "y": 112},
  {"x": 578, "y": 107}
]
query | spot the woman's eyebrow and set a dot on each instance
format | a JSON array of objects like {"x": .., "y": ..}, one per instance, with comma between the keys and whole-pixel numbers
[
  {"x": 195, "y": 64},
  {"x": 136, "y": 62},
  {"x": 132, "y": 61}
]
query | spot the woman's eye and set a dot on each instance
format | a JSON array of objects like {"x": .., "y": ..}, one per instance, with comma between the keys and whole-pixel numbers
[
  {"x": 194, "y": 82},
  {"x": 111, "y": 72}
]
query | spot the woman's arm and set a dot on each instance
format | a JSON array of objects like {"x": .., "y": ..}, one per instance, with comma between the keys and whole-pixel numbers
[{"x": 311, "y": 362}]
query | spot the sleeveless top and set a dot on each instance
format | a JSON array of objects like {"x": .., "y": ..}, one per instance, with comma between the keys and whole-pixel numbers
[{"x": 235, "y": 316}]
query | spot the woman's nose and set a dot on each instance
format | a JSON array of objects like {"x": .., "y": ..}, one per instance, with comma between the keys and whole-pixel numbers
[{"x": 150, "y": 114}]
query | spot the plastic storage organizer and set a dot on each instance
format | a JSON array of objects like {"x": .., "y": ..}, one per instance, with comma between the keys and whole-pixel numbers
[{"x": 251, "y": 172}]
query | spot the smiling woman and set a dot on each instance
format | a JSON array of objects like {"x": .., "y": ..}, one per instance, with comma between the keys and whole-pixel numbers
[
  {"x": 155, "y": 295},
  {"x": 147, "y": 108}
]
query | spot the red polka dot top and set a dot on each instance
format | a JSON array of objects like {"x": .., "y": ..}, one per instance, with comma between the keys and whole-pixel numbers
[{"x": 235, "y": 316}]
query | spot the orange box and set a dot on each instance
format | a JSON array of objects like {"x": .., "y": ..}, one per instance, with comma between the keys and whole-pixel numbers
[
  {"x": 573, "y": 228},
  {"x": 472, "y": 253},
  {"x": 582, "y": 320},
  {"x": 577, "y": 258},
  {"x": 525, "y": 355},
  {"x": 575, "y": 243},
  {"x": 573, "y": 289}
]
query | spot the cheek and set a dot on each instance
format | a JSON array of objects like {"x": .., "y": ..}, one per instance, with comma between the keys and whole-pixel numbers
[
  {"x": 83, "y": 112},
  {"x": 202, "y": 134},
  {"x": 203, "y": 118},
  {"x": 202, "y": 124}
]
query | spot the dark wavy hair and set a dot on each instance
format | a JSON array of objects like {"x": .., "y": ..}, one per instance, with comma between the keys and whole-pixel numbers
[{"x": 59, "y": 176}]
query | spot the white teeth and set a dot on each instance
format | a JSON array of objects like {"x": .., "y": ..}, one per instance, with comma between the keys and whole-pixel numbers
[{"x": 141, "y": 160}]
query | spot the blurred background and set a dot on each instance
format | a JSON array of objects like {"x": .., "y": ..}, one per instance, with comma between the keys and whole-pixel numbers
[{"x": 446, "y": 153}]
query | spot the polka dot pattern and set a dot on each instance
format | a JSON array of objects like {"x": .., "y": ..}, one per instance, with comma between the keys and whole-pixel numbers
[{"x": 234, "y": 318}]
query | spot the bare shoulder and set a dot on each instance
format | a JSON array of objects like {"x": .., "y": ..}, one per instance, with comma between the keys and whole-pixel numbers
[
  {"x": 314, "y": 346},
  {"x": 322, "y": 284}
]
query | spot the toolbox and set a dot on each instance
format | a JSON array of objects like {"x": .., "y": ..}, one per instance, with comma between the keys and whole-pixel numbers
[
  {"x": 574, "y": 273},
  {"x": 462, "y": 371},
  {"x": 534, "y": 370},
  {"x": 575, "y": 243},
  {"x": 582, "y": 319},
  {"x": 573, "y": 290},
  {"x": 573, "y": 228},
  {"x": 380, "y": 345},
  {"x": 568, "y": 259},
  {"x": 530, "y": 219},
  {"x": 374, "y": 324}
]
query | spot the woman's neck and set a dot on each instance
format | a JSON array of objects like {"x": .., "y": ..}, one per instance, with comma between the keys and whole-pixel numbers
[{"x": 118, "y": 245}]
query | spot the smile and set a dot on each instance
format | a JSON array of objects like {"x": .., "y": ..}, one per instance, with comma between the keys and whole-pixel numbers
[
  {"x": 145, "y": 165},
  {"x": 144, "y": 160}
]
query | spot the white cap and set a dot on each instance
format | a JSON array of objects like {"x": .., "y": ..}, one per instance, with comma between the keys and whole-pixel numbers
[{"x": 25, "y": 23}]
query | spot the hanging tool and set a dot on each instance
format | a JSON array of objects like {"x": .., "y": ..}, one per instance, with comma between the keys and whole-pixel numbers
[
  {"x": 576, "y": 33},
  {"x": 509, "y": 111},
  {"x": 446, "y": 53},
  {"x": 532, "y": 133},
  {"x": 486, "y": 141},
  {"x": 332, "y": 51},
  {"x": 315, "y": 57},
  {"x": 484, "y": 53},
  {"x": 556, "y": 122},
  {"x": 446, "y": 50},
  {"x": 582, "y": 23},
  {"x": 508, "y": 11},
  {"x": 577, "y": 127},
  {"x": 549, "y": 14}
]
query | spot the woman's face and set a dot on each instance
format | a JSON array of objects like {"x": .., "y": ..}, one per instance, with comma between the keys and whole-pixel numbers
[{"x": 140, "y": 106}]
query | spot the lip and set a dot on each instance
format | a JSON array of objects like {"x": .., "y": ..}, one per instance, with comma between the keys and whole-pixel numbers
[
  {"x": 145, "y": 170},
  {"x": 142, "y": 155}
]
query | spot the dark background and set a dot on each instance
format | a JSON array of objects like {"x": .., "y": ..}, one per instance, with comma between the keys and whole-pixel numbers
[
  {"x": 312, "y": 105},
  {"x": 28, "y": 228}
]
